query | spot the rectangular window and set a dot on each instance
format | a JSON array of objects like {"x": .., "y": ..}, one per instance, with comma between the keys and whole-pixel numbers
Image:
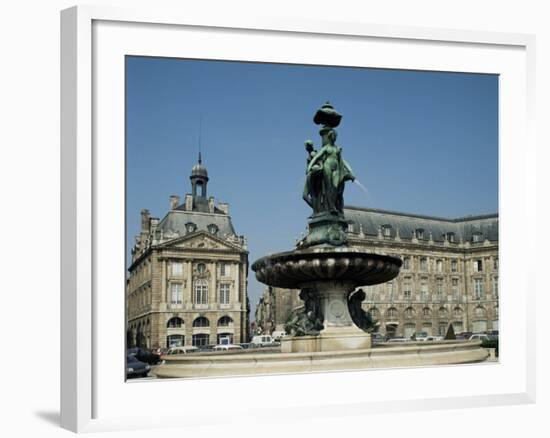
[
  {"x": 439, "y": 265},
  {"x": 390, "y": 291},
  {"x": 177, "y": 293},
  {"x": 454, "y": 266},
  {"x": 424, "y": 294},
  {"x": 406, "y": 263},
  {"x": 495, "y": 264},
  {"x": 224, "y": 293},
  {"x": 439, "y": 289},
  {"x": 478, "y": 266},
  {"x": 478, "y": 288},
  {"x": 224, "y": 269},
  {"x": 423, "y": 264},
  {"x": 177, "y": 269},
  {"x": 201, "y": 292},
  {"x": 495, "y": 287},
  {"x": 455, "y": 289},
  {"x": 407, "y": 292}
]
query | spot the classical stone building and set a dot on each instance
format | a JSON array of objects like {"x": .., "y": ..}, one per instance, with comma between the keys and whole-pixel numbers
[
  {"x": 449, "y": 273},
  {"x": 187, "y": 282}
]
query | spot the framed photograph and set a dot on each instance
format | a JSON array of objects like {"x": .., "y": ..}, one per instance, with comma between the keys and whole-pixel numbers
[{"x": 191, "y": 263}]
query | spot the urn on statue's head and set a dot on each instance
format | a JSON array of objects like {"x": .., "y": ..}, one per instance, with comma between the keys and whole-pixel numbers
[{"x": 327, "y": 116}]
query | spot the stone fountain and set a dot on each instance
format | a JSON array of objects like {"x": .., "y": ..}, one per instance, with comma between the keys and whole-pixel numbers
[
  {"x": 332, "y": 332},
  {"x": 323, "y": 267}
]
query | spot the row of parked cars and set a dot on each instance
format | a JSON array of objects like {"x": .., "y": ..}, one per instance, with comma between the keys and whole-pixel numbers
[
  {"x": 488, "y": 339},
  {"x": 139, "y": 360}
]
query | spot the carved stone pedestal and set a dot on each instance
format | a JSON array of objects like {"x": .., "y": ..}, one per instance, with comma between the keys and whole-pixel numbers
[{"x": 339, "y": 333}]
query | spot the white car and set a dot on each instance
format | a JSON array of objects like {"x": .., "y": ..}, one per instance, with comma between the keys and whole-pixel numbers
[
  {"x": 182, "y": 350},
  {"x": 227, "y": 347}
]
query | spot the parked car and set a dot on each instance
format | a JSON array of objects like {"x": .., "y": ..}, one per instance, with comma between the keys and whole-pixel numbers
[
  {"x": 227, "y": 347},
  {"x": 464, "y": 335},
  {"x": 247, "y": 345},
  {"x": 376, "y": 337},
  {"x": 135, "y": 367},
  {"x": 398, "y": 339},
  {"x": 278, "y": 335},
  {"x": 434, "y": 338},
  {"x": 182, "y": 350},
  {"x": 419, "y": 336},
  {"x": 262, "y": 340},
  {"x": 160, "y": 351},
  {"x": 482, "y": 337},
  {"x": 144, "y": 355}
]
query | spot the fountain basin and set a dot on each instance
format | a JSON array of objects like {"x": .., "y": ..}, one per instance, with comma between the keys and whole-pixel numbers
[
  {"x": 382, "y": 356},
  {"x": 300, "y": 268}
]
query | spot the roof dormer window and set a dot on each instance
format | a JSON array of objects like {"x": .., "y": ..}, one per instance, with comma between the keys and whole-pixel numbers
[
  {"x": 190, "y": 227},
  {"x": 213, "y": 229},
  {"x": 419, "y": 233},
  {"x": 477, "y": 237},
  {"x": 386, "y": 230}
]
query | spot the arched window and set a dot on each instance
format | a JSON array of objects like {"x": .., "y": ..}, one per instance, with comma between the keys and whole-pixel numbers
[
  {"x": 225, "y": 321},
  {"x": 426, "y": 312},
  {"x": 480, "y": 311},
  {"x": 391, "y": 312},
  {"x": 201, "y": 321},
  {"x": 409, "y": 312},
  {"x": 201, "y": 292},
  {"x": 442, "y": 311},
  {"x": 213, "y": 229},
  {"x": 174, "y": 322},
  {"x": 457, "y": 312}
]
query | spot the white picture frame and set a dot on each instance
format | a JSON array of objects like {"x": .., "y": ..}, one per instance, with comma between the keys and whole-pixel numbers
[{"x": 92, "y": 42}]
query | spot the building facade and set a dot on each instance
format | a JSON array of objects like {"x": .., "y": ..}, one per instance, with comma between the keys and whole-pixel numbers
[
  {"x": 187, "y": 282},
  {"x": 449, "y": 273},
  {"x": 274, "y": 308}
]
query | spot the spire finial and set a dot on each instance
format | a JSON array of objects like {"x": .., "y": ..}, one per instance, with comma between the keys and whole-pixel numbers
[{"x": 200, "y": 137}]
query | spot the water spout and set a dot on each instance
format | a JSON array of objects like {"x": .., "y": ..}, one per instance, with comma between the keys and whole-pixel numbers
[{"x": 361, "y": 186}]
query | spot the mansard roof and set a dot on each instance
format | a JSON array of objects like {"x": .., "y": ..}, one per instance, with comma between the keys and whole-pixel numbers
[
  {"x": 176, "y": 222},
  {"x": 370, "y": 220}
]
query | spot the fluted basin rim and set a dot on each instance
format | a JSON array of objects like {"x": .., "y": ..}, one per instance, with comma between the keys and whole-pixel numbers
[{"x": 292, "y": 269}]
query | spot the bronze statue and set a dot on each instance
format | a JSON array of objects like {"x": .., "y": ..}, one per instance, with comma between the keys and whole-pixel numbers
[
  {"x": 361, "y": 319},
  {"x": 309, "y": 322},
  {"x": 328, "y": 172},
  {"x": 326, "y": 176}
]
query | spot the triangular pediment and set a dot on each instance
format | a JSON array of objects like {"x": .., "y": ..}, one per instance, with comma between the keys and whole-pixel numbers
[{"x": 201, "y": 240}]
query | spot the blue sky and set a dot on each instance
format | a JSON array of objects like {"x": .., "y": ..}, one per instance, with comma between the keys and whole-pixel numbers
[{"x": 420, "y": 142}]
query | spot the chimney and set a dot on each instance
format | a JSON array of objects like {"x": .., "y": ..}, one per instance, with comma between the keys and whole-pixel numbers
[
  {"x": 189, "y": 202},
  {"x": 174, "y": 202},
  {"x": 224, "y": 207},
  {"x": 154, "y": 221},
  {"x": 145, "y": 220}
]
